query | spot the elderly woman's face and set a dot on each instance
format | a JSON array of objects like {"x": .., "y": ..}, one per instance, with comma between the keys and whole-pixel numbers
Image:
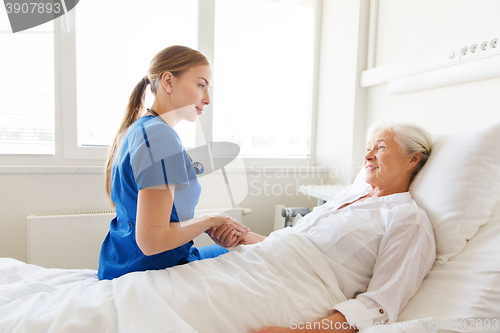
[{"x": 386, "y": 164}]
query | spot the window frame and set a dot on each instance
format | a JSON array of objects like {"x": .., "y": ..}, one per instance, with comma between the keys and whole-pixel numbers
[
  {"x": 69, "y": 98},
  {"x": 67, "y": 151}
]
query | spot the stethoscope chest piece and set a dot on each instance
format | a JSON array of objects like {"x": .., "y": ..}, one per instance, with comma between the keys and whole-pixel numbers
[{"x": 198, "y": 168}]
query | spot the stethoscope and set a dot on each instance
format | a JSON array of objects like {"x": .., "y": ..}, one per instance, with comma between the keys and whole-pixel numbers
[{"x": 198, "y": 167}]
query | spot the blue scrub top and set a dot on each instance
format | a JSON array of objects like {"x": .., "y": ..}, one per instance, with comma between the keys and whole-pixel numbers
[{"x": 151, "y": 153}]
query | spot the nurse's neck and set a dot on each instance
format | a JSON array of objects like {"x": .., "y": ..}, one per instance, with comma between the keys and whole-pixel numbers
[{"x": 166, "y": 112}]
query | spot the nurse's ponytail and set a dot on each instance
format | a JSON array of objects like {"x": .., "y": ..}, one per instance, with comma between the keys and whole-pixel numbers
[{"x": 174, "y": 59}]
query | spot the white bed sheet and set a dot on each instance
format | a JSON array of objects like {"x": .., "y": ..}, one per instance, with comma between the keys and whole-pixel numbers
[
  {"x": 462, "y": 295},
  {"x": 279, "y": 280},
  {"x": 206, "y": 296}
]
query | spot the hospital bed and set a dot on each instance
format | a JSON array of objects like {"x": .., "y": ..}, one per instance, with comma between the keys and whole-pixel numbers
[{"x": 459, "y": 187}]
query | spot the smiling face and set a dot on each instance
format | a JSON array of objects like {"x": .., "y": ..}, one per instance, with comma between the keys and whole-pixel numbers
[
  {"x": 190, "y": 92},
  {"x": 387, "y": 167}
]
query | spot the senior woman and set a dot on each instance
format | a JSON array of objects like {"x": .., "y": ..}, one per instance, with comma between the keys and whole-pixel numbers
[{"x": 380, "y": 245}]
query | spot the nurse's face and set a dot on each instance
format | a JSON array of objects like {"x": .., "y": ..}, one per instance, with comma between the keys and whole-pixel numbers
[
  {"x": 386, "y": 164},
  {"x": 190, "y": 92}
]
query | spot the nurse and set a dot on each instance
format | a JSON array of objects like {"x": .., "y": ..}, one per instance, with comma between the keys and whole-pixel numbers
[{"x": 150, "y": 179}]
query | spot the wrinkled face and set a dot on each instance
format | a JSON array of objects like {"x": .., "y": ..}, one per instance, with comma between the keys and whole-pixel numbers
[
  {"x": 190, "y": 92},
  {"x": 385, "y": 162}
]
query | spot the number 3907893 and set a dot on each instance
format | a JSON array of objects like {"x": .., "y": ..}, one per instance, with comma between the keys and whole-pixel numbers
[
  {"x": 471, "y": 323},
  {"x": 32, "y": 8}
]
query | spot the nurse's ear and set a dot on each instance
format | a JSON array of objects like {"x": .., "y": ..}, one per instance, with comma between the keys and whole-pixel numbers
[{"x": 166, "y": 82}]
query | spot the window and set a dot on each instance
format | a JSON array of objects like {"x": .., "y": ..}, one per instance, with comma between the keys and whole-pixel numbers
[
  {"x": 26, "y": 89},
  {"x": 263, "y": 55},
  {"x": 112, "y": 58},
  {"x": 264, "y": 59}
]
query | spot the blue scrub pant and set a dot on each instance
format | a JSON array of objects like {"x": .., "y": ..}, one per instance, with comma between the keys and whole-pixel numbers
[{"x": 205, "y": 252}]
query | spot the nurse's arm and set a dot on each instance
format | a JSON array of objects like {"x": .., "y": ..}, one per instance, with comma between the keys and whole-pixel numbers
[{"x": 155, "y": 234}]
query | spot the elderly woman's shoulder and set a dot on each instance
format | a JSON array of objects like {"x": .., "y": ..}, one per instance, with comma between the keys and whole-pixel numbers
[{"x": 410, "y": 213}]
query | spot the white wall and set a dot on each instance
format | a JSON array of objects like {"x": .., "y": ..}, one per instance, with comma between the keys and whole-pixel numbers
[
  {"x": 404, "y": 29},
  {"x": 408, "y": 29},
  {"x": 25, "y": 194},
  {"x": 341, "y": 102}
]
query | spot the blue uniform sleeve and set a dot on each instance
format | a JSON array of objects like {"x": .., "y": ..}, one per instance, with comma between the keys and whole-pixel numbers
[{"x": 158, "y": 157}]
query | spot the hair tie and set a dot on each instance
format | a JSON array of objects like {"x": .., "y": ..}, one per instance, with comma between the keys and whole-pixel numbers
[{"x": 147, "y": 79}]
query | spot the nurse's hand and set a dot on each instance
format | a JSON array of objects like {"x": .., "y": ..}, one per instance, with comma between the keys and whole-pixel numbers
[
  {"x": 218, "y": 220},
  {"x": 226, "y": 231}
]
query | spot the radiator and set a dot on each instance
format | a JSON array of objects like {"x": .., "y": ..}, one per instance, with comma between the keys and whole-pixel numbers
[{"x": 73, "y": 240}]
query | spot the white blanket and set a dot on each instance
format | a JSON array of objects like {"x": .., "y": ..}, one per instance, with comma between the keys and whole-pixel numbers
[{"x": 281, "y": 281}]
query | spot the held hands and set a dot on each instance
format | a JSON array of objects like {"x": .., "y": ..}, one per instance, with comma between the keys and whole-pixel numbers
[
  {"x": 226, "y": 236},
  {"x": 227, "y": 232}
]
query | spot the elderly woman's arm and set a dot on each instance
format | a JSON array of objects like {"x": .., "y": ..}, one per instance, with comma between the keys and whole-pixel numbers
[
  {"x": 252, "y": 238},
  {"x": 405, "y": 256},
  {"x": 333, "y": 323}
]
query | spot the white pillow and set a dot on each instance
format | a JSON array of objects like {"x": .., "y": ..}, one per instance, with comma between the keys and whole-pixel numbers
[
  {"x": 467, "y": 285},
  {"x": 459, "y": 185}
]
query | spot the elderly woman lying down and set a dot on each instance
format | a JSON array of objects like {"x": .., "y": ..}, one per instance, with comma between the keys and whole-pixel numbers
[
  {"x": 377, "y": 242},
  {"x": 350, "y": 263}
]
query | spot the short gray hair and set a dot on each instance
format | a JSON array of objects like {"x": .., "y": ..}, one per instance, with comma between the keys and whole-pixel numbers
[{"x": 412, "y": 138}]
